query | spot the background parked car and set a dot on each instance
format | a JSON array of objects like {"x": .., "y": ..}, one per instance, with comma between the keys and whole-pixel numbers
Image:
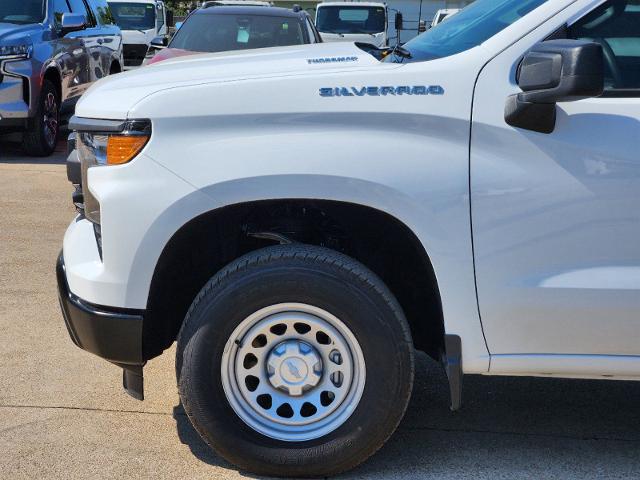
[
  {"x": 50, "y": 52},
  {"x": 221, "y": 28},
  {"x": 140, "y": 21},
  {"x": 244, "y": 3}
]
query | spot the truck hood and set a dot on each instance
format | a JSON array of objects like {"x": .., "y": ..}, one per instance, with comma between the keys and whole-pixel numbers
[
  {"x": 114, "y": 96},
  {"x": 12, "y": 34},
  {"x": 138, "y": 37},
  {"x": 377, "y": 39}
]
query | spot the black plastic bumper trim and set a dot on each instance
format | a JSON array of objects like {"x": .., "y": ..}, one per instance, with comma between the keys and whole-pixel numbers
[
  {"x": 112, "y": 334},
  {"x": 80, "y": 124}
]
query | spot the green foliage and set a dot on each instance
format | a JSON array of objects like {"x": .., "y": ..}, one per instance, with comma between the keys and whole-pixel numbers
[{"x": 179, "y": 7}]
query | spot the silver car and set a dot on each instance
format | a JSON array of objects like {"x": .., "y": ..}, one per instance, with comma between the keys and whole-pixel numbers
[{"x": 51, "y": 51}]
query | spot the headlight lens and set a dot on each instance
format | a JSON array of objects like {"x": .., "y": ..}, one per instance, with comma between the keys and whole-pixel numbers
[
  {"x": 97, "y": 149},
  {"x": 15, "y": 51}
]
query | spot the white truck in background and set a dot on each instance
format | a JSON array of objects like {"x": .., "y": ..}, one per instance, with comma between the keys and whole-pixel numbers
[
  {"x": 365, "y": 22},
  {"x": 140, "y": 21},
  {"x": 442, "y": 14}
]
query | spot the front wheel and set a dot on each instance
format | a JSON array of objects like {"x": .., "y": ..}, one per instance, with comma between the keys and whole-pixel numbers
[
  {"x": 295, "y": 361},
  {"x": 41, "y": 139}
]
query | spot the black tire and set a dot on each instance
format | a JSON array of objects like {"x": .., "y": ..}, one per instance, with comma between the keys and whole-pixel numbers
[
  {"x": 315, "y": 276},
  {"x": 42, "y": 138},
  {"x": 115, "y": 68}
]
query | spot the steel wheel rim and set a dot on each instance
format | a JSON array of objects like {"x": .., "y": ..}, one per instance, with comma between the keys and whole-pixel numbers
[
  {"x": 50, "y": 119},
  {"x": 297, "y": 355}
]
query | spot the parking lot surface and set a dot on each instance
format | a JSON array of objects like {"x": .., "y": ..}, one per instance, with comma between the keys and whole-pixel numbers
[{"x": 64, "y": 415}]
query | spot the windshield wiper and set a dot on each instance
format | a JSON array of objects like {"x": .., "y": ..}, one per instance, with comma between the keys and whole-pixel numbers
[
  {"x": 400, "y": 51},
  {"x": 382, "y": 53}
]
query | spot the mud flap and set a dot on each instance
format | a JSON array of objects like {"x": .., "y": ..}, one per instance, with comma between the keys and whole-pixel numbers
[
  {"x": 453, "y": 367},
  {"x": 133, "y": 381}
]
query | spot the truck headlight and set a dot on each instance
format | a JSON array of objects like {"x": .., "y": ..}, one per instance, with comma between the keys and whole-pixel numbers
[
  {"x": 15, "y": 51},
  {"x": 98, "y": 149}
]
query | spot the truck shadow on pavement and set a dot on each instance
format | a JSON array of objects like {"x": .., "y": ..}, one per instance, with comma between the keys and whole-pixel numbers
[
  {"x": 188, "y": 436},
  {"x": 507, "y": 428},
  {"x": 11, "y": 152}
]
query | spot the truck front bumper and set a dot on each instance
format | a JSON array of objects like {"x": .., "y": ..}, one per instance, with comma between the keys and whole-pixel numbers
[
  {"x": 134, "y": 54},
  {"x": 17, "y": 88},
  {"x": 112, "y": 334}
]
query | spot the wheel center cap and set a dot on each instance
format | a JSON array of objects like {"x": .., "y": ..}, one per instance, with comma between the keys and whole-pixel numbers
[
  {"x": 294, "y": 366},
  {"x": 294, "y": 370}
]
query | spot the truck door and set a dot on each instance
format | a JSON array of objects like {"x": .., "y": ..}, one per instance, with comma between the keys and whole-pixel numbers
[
  {"x": 110, "y": 34},
  {"x": 93, "y": 38},
  {"x": 71, "y": 56},
  {"x": 556, "y": 217}
]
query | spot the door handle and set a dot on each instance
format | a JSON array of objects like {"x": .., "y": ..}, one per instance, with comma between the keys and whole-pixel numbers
[{"x": 100, "y": 41}]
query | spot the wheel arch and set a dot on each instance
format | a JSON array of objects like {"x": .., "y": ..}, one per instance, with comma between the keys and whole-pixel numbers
[
  {"x": 52, "y": 74},
  {"x": 379, "y": 240},
  {"x": 115, "y": 62}
]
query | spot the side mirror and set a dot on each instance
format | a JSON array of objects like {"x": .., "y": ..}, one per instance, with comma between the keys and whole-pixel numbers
[
  {"x": 399, "y": 21},
  {"x": 554, "y": 71},
  {"x": 73, "y": 22},
  {"x": 160, "y": 42},
  {"x": 170, "y": 20}
]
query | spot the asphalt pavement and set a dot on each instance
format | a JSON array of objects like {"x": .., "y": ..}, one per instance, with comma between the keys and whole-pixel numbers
[{"x": 63, "y": 413}]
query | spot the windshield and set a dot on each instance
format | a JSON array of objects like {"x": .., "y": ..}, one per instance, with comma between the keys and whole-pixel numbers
[
  {"x": 351, "y": 19},
  {"x": 467, "y": 29},
  {"x": 22, "y": 11},
  {"x": 222, "y": 32},
  {"x": 134, "y": 16}
]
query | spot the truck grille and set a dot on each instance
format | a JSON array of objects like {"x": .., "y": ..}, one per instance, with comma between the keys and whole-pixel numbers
[{"x": 134, "y": 54}]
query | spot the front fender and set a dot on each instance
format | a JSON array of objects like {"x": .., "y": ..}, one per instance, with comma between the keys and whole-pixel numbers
[{"x": 445, "y": 237}]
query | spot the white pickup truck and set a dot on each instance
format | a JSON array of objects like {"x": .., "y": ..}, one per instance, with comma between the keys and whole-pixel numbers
[
  {"x": 141, "y": 21},
  {"x": 303, "y": 219},
  {"x": 353, "y": 21}
]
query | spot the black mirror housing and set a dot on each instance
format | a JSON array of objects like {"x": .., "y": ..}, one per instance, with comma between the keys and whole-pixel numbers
[
  {"x": 160, "y": 42},
  {"x": 554, "y": 71},
  {"x": 170, "y": 19},
  {"x": 399, "y": 21}
]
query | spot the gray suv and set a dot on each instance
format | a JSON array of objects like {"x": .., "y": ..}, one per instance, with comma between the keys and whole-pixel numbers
[{"x": 51, "y": 51}]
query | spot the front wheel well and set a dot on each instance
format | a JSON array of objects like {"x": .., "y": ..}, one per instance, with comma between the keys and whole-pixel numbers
[
  {"x": 53, "y": 76},
  {"x": 209, "y": 242},
  {"x": 115, "y": 67}
]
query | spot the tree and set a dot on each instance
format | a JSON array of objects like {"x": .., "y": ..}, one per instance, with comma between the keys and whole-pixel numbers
[{"x": 179, "y": 7}]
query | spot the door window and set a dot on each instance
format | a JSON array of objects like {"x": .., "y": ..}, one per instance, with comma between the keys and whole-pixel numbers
[
  {"x": 159, "y": 18},
  {"x": 102, "y": 12},
  {"x": 60, "y": 7},
  {"x": 616, "y": 26},
  {"x": 79, "y": 7},
  {"x": 311, "y": 32}
]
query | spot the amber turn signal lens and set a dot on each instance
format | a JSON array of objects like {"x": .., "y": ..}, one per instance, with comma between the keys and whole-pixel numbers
[{"x": 123, "y": 148}]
